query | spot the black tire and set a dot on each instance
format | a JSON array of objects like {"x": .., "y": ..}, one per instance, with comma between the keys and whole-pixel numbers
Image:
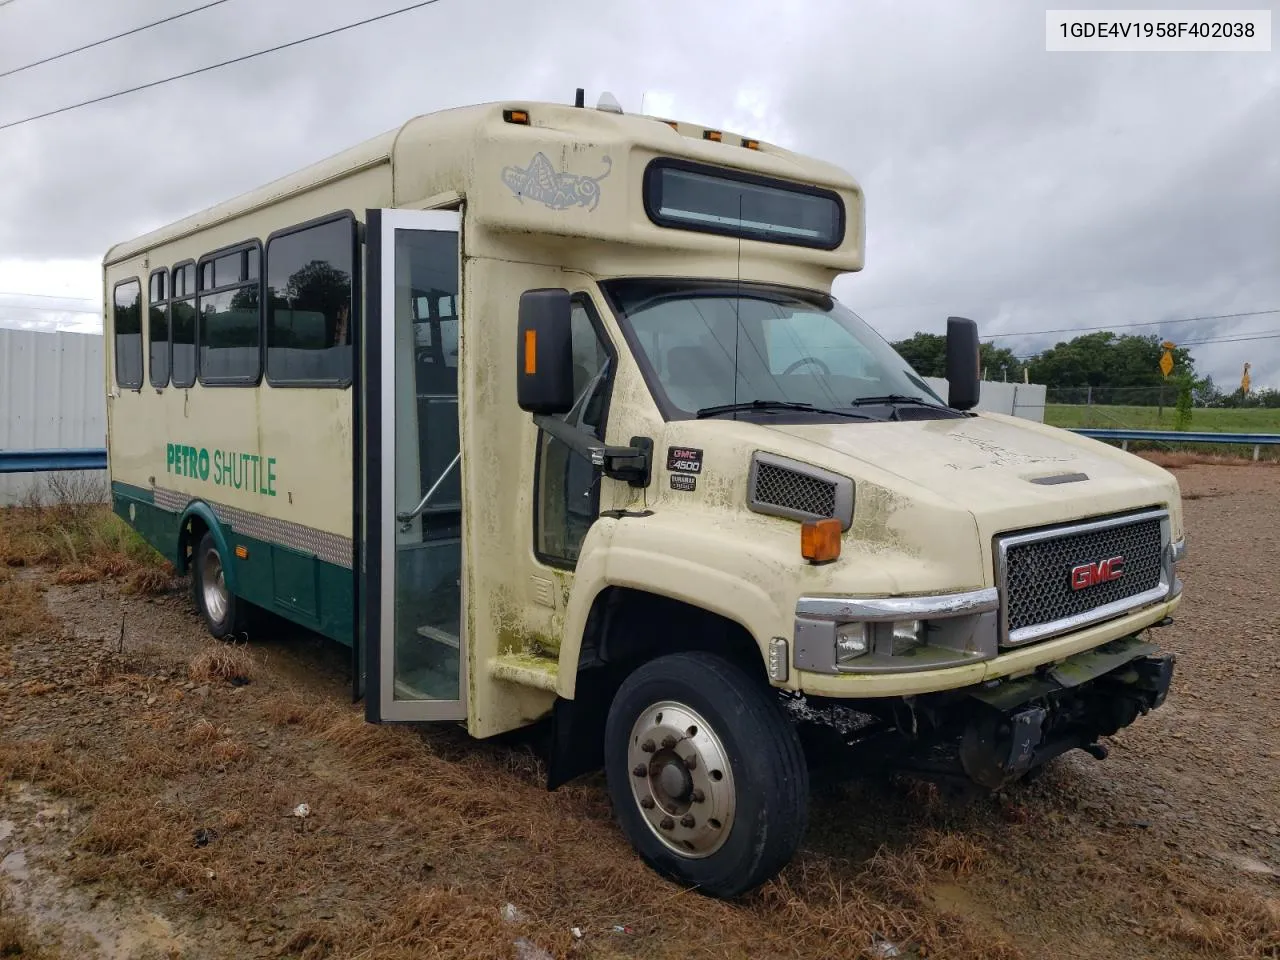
[
  {"x": 767, "y": 770},
  {"x": 232, "y": 621}
]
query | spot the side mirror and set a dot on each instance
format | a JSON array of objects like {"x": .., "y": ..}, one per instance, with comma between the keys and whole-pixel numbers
[
  {"x": 964, "y": 378},
  {"x": 544, "y": 353}
]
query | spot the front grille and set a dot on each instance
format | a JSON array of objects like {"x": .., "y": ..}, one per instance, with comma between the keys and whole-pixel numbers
[
  {"x": 1039, "y": 573},
  {"x": 796, "y": 491}
]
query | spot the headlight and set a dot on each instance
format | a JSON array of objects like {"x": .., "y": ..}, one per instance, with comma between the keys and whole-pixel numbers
[
  {"x": 906, "y": 635},
  {"x": 888, "y": 634},
  {"x": 852, "y": 641}
]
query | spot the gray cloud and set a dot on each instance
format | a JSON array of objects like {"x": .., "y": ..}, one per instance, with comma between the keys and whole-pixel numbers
[{"x": 1026, "y": 189}]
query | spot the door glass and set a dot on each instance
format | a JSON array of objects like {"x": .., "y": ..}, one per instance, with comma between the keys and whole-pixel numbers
[
  {"x": 428, "y": 536},
  {"x": 568, "y": 485}
]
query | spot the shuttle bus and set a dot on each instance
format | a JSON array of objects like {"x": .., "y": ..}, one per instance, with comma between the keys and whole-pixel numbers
[{"x": 549, "y": 413}]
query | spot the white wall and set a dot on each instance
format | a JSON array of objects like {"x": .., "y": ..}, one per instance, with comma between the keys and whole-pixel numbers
[
  {"x": 52, "y": 394},
  {"x": 1014, "y": 399}
]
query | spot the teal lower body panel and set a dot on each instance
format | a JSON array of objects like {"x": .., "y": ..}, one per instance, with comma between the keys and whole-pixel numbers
[
  {"x": 137, "y": 507},
  {"x": 299, "y": 587}
]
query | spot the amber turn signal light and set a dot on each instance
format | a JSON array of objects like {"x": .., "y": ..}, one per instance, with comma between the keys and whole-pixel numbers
[
  {"x": 530, "y": 352},
  {"x": 820, "y": 540}
]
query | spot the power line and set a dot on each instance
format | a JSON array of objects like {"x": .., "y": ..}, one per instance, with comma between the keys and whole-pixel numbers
[
  {"x": 43, "y": 296},
  {"x": 1260, "y": 335},
  {"x": 98, "y": 43},
  {"x": 21, "y": 306},
  {"x": 224, "y": 63},
  {"x": 1122, "y": 326}
]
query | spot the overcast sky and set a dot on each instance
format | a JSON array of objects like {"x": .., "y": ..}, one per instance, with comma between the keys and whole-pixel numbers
[{"x": 1028, "y": 190}]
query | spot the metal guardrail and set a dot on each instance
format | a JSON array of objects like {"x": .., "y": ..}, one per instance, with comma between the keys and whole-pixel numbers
[
  {"x": 1256, "y": 440},
  {"x": 45, "y": 461}
]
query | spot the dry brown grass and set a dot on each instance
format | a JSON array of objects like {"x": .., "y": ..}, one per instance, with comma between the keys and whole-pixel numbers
[
  {"x": 23, "y": 612},
  {"x": 415, "y": 841},
  {"x": 558, "y": 856},
  {"x": 226, "y": 661},
  {"x": 17, "y": 939},
  {"x": 85, "y": 541},
  {"x": 1182, "y": 908}
]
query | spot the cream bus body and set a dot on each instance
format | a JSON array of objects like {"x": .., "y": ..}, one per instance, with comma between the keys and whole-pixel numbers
[{"x": 552, "y": 617}]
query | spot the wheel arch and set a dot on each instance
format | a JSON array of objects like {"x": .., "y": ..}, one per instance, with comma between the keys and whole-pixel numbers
[
  {"x": 198, "y": 518},
  {"x": 627, "y": 627}
]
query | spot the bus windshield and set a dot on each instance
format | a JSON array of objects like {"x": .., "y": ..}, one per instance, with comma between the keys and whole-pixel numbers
[{"x": 786, "y": 346}]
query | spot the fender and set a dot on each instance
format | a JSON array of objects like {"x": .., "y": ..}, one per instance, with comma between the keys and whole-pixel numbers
[
  {"x": 638, "y": 552},
  {"x": 198, "y": 508}
]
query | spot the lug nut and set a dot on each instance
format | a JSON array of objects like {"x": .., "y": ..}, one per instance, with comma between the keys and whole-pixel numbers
[
  {"x": 648, "y": 746},
  {"x": 640, "y": 770},
  {"x": 647, "y": 802},
  {"x": 697, "y": 796},
  {"x": 687, "y": 820},
  {"x": 667, "y": 823},
  {"x": 668, "y": 742}
]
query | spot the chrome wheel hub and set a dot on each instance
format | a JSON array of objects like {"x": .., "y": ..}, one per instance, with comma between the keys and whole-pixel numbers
[
  {"x": 213, "y": 585},
  {"x": 681, "y": 779}
]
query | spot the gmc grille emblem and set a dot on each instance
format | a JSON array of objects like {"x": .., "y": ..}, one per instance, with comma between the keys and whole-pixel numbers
[{"x": 1092, "y": 574}]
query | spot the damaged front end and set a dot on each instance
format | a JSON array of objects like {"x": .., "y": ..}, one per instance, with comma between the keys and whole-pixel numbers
[
  {"x": 1011, "y": 727},
  {"x": 997, "y": 732}
]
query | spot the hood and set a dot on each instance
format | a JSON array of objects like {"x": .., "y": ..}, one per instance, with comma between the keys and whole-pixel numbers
[{"x": 1008, "y": 472}]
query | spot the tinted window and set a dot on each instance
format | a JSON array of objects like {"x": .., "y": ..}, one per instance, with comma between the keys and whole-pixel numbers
[
  {"x": 718, "y": 201},
  {"x": 127, "y": 324},
  {"x": 184, "y": 280},
  {"x": 228, "y": 269},
  {"x": 228, "y": 335},
  {"x": 182, "y": 321},
  {"x": 309, "y": 304},
  {"x": 229, "y": 321},
  {"x": 158, "y": 330}
]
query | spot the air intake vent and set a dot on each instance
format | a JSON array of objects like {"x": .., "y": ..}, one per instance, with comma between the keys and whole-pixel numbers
[{"x": 798, "y": 491}]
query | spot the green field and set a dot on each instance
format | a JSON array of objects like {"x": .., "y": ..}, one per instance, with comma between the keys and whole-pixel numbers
[{"x": 1218, "y": 420}]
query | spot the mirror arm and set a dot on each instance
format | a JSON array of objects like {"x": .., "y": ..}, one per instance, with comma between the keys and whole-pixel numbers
[{"x": 632, "y": 464}]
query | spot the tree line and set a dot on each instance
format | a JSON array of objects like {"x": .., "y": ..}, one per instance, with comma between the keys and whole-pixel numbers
[{"x": 1105, "y": 367}]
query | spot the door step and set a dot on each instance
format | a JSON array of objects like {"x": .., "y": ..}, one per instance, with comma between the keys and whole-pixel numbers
[
  {"x": 528, "y": 671},
  {"x": 439, "y": 636}
]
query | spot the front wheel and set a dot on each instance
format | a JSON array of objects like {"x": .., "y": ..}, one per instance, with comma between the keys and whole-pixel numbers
[{"x": 706, "y": 775}]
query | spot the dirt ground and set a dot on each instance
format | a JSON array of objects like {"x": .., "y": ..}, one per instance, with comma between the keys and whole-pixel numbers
[{"x": 150, "y": 783}]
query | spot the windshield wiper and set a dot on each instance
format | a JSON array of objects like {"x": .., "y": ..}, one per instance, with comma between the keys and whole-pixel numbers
[
  {"x": 895, "y": 398},
  {"x": 776, "y": 405}
]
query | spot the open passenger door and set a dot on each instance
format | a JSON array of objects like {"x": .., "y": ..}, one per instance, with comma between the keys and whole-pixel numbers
[{"x": 410, "y": 653}]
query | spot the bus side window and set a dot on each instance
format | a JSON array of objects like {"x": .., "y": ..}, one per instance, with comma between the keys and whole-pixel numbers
[
  {"x": 229, "y": 319},
  {"x": 568, "y": 486},
  {"x": 158, "y": 328},
  {"x": 127, "y": 327},
  {"x": 310, "y": 304},
  {"x": 182, "y": 324}
]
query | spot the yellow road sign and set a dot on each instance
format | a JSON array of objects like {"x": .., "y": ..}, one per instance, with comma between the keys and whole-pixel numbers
[{"x": 1166, "y": 363}]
